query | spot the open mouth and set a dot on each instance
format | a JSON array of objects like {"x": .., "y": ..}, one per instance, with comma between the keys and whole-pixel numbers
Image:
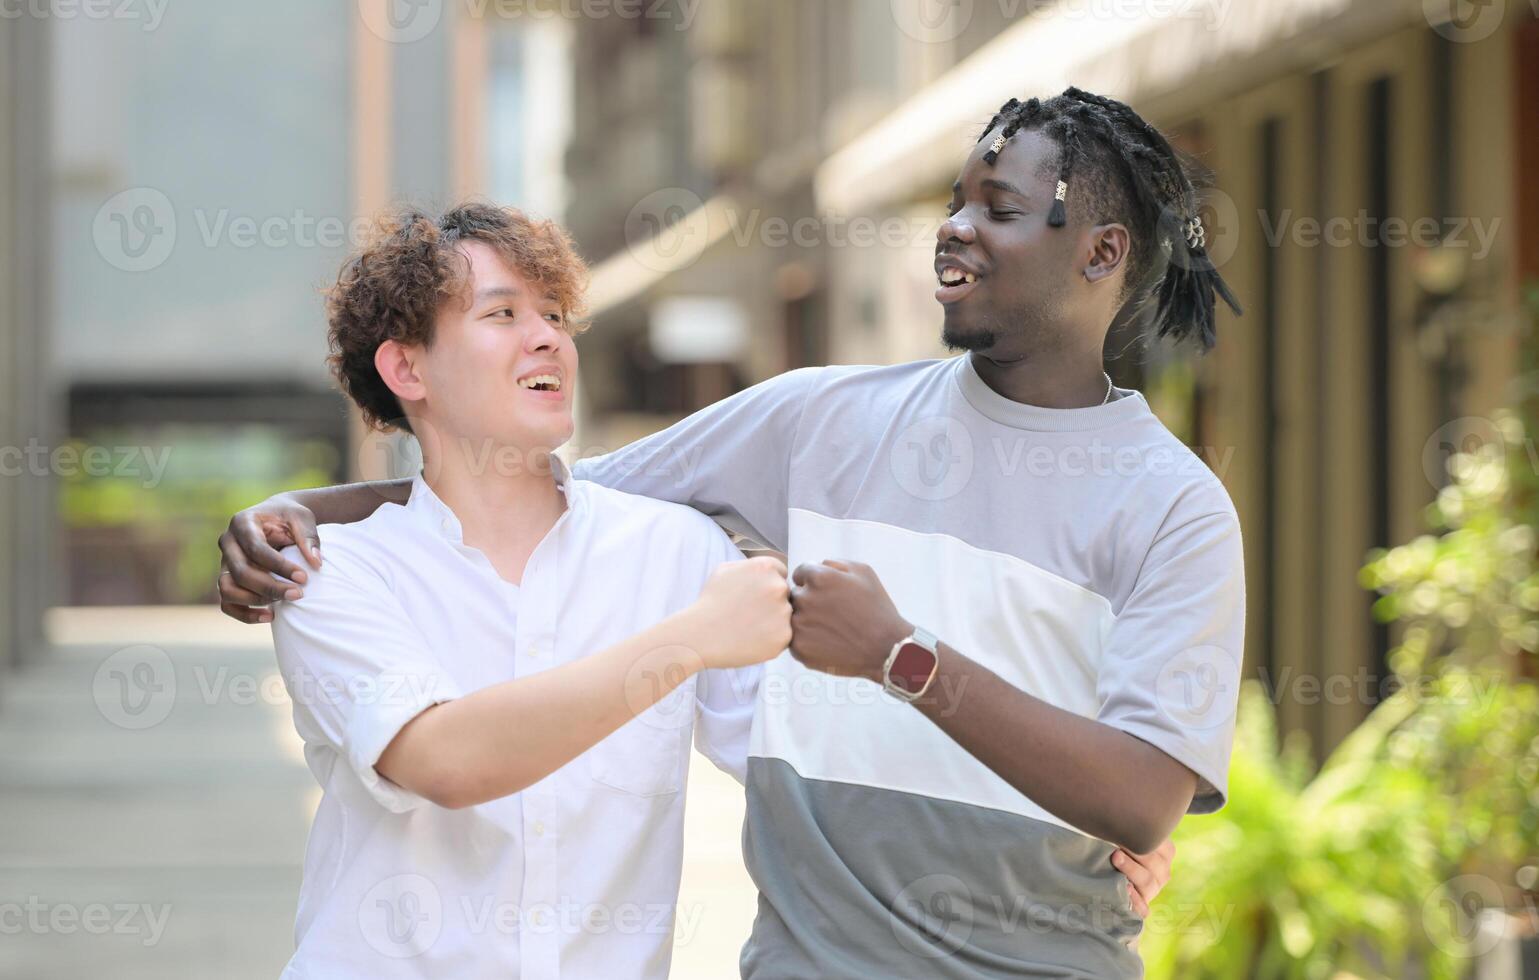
[
  {"x": 955, "y": 282},
  {"x": 541, "y": 382}
]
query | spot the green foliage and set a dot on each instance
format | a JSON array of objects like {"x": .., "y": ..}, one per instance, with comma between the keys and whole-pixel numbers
[{"x": 1358, "y": 869}]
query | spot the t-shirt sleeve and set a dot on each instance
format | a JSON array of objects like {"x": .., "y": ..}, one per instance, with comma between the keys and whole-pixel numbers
[
  {"x": 356, "y": 669},
  {"x": 1170, "y": 671},
  {"x": 725, "y": 698},
  {"x": 730, "y": 460}
]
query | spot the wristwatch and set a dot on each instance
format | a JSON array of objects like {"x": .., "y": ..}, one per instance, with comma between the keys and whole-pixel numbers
[{"x": 911, "y": 666}]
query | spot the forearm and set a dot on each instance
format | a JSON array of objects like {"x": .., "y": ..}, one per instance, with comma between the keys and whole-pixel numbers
[
  {"x": 349, "y": 503},
  {"x": 504, "y": 738},
  {"x": 1092, "y": 776}
]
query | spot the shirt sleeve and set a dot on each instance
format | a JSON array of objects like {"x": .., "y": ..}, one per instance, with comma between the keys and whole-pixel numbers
[
  {"x": 1170, "y": 671},
  {"x": 730, "y": 461},
  {"x": 725, "y": 699},
  {"x": 356, "y": 668}
]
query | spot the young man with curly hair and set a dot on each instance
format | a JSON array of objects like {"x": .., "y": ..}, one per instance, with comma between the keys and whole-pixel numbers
[{"x": 496, "y": 678}]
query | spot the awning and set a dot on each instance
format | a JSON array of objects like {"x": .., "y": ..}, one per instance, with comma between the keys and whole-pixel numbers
[
  {"x": 642, "y": 264},
  {"x": 1150, "y": 53}
]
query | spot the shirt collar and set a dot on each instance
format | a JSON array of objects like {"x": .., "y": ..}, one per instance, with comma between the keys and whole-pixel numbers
[
  {"x": 428, "y": 506},
  {"x": 1124, "y": 406}
]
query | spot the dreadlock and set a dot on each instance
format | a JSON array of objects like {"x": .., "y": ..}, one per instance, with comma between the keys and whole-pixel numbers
[{"x": 1132, "y": 175}]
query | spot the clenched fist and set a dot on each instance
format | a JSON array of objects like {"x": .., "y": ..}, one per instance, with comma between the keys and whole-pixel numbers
[{"x": 743, "y": 615}]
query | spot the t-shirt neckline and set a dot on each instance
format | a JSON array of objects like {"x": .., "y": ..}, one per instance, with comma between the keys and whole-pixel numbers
[{"x": 1127, "y": 405}]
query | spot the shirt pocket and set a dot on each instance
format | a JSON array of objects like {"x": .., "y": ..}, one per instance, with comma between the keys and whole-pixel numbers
[{"x": 647, "y": 756}]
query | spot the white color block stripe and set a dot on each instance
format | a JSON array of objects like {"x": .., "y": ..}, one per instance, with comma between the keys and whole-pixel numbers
[{"x": 1039, "y": 632}]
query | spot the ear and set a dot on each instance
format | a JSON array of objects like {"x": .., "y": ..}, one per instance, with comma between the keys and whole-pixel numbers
[
  {"x": 396, "y": 364},
  {"x": 1108, "y": 251}
]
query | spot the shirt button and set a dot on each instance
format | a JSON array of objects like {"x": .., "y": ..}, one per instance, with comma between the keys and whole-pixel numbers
[
  {"x": 539, "y": 828},
  {"x": 447, "y": 525}
]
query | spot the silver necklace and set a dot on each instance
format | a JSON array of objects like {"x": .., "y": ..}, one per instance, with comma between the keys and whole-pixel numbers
[{"x": 1108, "y": 388}]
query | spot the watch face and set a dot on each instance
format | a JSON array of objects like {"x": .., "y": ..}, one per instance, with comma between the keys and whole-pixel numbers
[{"x": 912, "y": 667}]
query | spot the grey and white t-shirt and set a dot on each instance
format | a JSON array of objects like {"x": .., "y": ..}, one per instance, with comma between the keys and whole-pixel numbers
[{"x": 1084, "y": 555}]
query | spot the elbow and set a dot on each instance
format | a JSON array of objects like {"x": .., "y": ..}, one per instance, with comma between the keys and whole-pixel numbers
[
  {"x": 1143, "y": 831},
  {"x": 442, "y": 786},
  {"x": 1141, "y": 839},
  {"x": 459, "y": 790}
]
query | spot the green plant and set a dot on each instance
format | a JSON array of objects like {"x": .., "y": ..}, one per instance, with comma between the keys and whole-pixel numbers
[{"x": 1355, "y": 869}]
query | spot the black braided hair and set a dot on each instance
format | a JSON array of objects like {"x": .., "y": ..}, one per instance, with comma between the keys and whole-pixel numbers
[{"x": 1129, "y": 173}]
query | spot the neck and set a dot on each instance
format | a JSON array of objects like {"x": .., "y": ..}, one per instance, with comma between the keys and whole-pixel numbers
[
  {"x": 1045, "y": 382},
  {"x": 506, "y": 500}
]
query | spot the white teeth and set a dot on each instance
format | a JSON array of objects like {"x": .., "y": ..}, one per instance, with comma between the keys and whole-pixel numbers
[
  {"x": 956, "y": 277},
  {"x": 971, "y": 277},
  {"x": 541, "y": 379}
]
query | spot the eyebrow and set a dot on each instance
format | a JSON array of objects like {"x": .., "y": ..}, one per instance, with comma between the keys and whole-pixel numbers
[
  {"x": 1003, "y": 185},
  {"x": 993, "y": 184},
  {"x": 497, "y": 292}
]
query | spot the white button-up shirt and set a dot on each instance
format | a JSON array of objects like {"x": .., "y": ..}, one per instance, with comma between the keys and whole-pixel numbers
[{"x": 576, "y": 876}]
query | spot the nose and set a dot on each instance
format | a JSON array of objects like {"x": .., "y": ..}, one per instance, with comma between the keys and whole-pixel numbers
[
  {"x": 545, "y": 337},
  {"x": 957, "y": 228}
]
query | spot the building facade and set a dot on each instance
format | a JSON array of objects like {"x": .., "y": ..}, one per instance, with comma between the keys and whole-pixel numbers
[
  {"x": 26, "y": 408},
  {"x": 1368, "y": 208}
]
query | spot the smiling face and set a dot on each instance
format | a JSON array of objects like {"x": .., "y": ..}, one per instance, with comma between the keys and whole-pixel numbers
[
  {"x": 501, "y": 366},
  {"x": 1012, "y": 285}
]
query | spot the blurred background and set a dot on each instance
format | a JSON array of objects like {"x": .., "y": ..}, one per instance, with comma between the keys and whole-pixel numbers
[{"x": 757, "y": 185}]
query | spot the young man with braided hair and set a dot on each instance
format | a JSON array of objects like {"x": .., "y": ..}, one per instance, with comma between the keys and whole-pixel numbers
[{"x": 1018, "y": 599}]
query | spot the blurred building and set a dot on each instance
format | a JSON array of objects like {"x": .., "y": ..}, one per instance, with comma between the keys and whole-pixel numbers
[
  {"x": 1369, "y": 209},
  {"x": 26, "y": 414},
  {"x": 203, "y": 193}
]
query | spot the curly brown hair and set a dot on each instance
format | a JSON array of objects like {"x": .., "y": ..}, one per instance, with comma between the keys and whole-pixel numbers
[{"x": 394, "y": 286}]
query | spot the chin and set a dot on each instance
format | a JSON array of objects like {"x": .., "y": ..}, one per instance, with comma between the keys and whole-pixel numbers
[{"x": 962, "y": 337}]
